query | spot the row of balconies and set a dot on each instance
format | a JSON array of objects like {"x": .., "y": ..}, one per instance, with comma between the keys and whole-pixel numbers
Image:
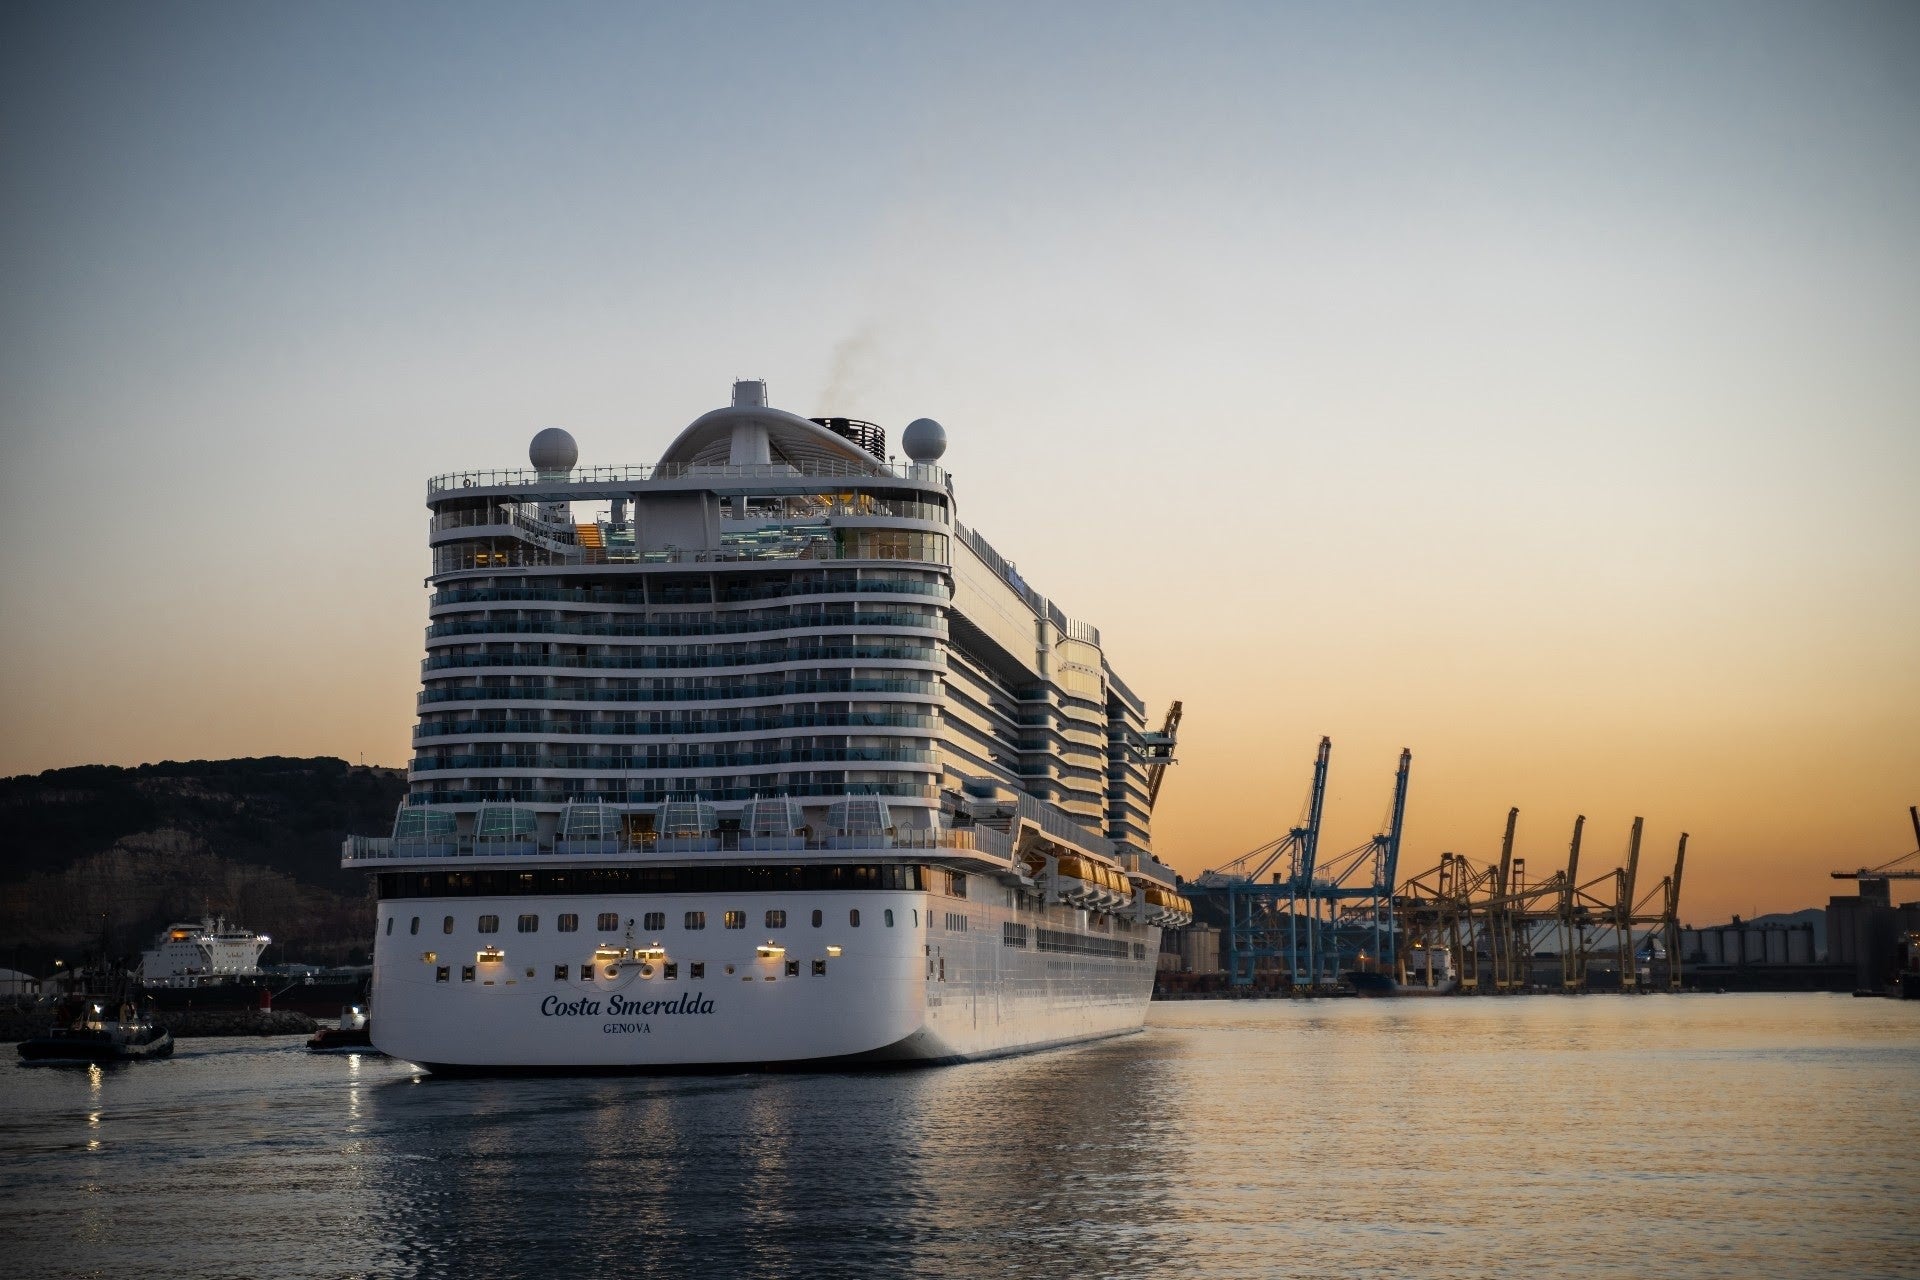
[
  {"x": 670, "y": 629},
  {"x": 760, "y": 689},
  {"x": 681, "y": 762},
  {"x": 671, "y": 662},
  {"x": 867, "y": 582},
  {"x": 865, "y": 720}
]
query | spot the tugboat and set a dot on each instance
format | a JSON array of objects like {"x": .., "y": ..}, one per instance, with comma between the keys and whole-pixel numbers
[
  {"x": 82, "y": 1036},
  {"x": 351, "y": 1036}
]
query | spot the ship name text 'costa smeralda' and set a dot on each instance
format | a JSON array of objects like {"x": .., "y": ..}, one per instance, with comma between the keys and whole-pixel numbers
[{"x": 756, "y": 756}]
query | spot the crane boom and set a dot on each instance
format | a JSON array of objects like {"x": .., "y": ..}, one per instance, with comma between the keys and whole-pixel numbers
[{"x": 1157, "y": 771}]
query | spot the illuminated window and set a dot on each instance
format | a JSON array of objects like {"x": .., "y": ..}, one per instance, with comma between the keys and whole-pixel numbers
[
  {"x": 776, "y": 919},
  {"x": 529, "y": 924},
  {"x": 734, "y": 920},
  {"x": 656, "y": 920},
  {"x": 488, "y": 924},
  {"x": 609, "y": 921},
  {"x": 696, "y": 919},
  {"x": 567, "y": 922}
]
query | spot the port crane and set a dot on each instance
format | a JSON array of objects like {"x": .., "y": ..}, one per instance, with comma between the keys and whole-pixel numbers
[
  {"x": 1254, "y": 903},
  {"x": 1359, "y": 913},
  {"x": 1158, "y": 751},
  {"x": 1874, "y": 881}
]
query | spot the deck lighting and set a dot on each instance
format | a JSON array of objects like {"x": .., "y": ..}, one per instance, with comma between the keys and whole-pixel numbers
[
  {"x": 490, "y": 955},
  {"x": 653, "y": 953},
  {"x": 770, "y": 950},
  {"x": 833, "y": 951},
  {"x": 428, "y": 957},
  {"x": 603, "y": 952}
]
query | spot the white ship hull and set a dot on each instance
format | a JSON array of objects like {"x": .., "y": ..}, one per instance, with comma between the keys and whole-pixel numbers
[{"x": 916, "y": 991}]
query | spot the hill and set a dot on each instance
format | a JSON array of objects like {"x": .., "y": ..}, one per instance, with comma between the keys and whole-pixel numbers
[{"x": 256, "y": 841}]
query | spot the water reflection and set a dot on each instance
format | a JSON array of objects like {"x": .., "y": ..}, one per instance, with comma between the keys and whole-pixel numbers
[
  {"x": 993, "y": 1167},
  {"x": 1734, "y": 1136}
]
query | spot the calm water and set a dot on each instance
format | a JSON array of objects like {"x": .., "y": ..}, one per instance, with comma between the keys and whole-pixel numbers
[{"x": 1655, "y": 1136}]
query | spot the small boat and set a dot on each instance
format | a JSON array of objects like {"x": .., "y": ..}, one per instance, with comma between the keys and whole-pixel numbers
[
  {"x": 351, "y": 1036},
  {"x": 86, "y": 1038}
]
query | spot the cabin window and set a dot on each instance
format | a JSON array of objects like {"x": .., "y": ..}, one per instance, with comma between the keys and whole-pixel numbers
[
  {"x": 957, "y": 883},
  {"x": 819, "y": 967},
  {"x": 446, "y": 925},
  {"x": 488, "y": 924},
  {"x": 655, "y": 921},
  {"x": 916, "y": 917},
  {"x": 529, "y": 924},
  {"x": 698, "y": 969},
  {"x": 734, "y": 920},
  {"x": 415, "y": 926},
  {"x": 816, "y": 919},
  {"x": 389, "y": 926},
  {"x": 672, "y": 970},
  {"x": 609, "y": 921},
  {"x": 696, "y": 919},
  {"x": 943, "y": 968},
  {"x": 441, "y": 974},
  {"x": 853, "y": 917},
  {"x": 561, "y": 971},
  {"x": 466, "y": 973},
  {"x": 889, "y": 917},
  {"x": 793, "y": 968},
  {"x": 776, "y": 919},
  {"x": 567, "y": 922}
]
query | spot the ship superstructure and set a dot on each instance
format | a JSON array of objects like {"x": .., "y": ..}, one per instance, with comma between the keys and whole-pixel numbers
[
  {"x": 756, "y": 755},
  {"x": 210, "y": 952}
]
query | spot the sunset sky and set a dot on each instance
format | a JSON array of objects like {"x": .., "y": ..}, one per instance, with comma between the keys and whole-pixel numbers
[{"x": 1535, "y": 386}]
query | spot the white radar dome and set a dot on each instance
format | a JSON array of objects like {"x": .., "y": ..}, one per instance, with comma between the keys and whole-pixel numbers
[
  {"x": 553, "y": 450},
  {"x": 925, "y": 440}
]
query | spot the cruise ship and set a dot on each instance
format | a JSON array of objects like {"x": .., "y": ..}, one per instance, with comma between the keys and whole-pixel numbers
[{"x": 757, "y": 757}]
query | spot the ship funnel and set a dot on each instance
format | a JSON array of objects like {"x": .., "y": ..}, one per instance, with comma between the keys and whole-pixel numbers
[{"x": 750, "y": 393}]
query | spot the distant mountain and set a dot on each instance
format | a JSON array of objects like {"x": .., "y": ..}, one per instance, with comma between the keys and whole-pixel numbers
[{"x": 256, "y": 841}]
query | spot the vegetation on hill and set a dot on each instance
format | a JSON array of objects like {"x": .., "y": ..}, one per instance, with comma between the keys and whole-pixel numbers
[{"x": 255, "y": 841}]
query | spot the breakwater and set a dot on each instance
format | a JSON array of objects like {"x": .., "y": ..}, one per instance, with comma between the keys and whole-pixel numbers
[{"x": 185, "y": 1024}]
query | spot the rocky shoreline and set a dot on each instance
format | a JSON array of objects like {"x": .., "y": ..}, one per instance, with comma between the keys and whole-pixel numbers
[{"x": 185, "y": 1024}]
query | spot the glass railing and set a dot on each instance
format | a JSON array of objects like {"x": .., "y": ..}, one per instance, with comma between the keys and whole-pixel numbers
[
  {"x": 932, "y": 622},
  {"x": 671, "y": 662},
  {"x": 682, "y": 762},
  {"x": 978, "y": 840},
  {"x": 731, "y": 593},
  {"x": 680, "y": 728},
  {"x": 523, "y": 478},
  {"x": 551, "y": 694},
  {"x": 659, "y": 795}
]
